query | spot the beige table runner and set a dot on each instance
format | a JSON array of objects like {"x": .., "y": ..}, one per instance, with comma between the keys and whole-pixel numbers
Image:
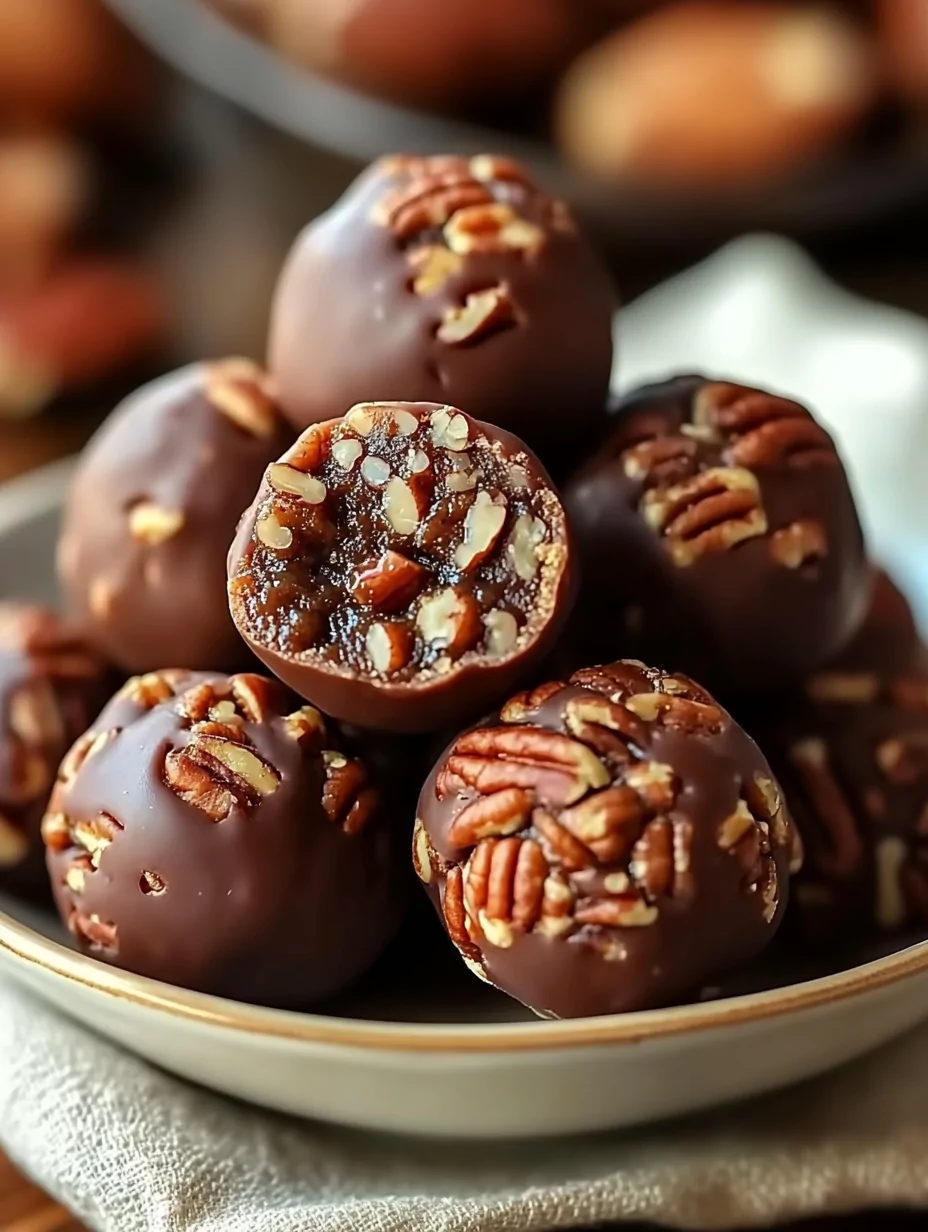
[{"x": 128, "y": 1148}]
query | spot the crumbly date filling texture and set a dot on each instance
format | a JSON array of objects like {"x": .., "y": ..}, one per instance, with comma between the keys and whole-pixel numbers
[{"x": 398, "y": 542}]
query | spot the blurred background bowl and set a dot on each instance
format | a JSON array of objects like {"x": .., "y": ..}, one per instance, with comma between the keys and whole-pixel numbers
[{"x": 859, "y": 168}]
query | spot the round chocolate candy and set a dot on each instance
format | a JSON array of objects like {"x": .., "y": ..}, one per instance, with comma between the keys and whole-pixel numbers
[
  {"x": 152, "y": 511},
  {"x": 206, "y": 832},
  {"x": 448, "y": 280},
  {"x": 51, "y": 687},
  {"x": 609, "y": 844},
  {"x": 852, "y": 753},
  {"x": 717, "y": 525},
  {"x": 402, "y": 567}
]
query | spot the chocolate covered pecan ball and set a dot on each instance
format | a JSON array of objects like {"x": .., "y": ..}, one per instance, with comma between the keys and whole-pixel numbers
[
  {"x": 51, "y": 687},
  {"x": 402, "y": 567},
  {"x": 717, "y": 526},
  {"x": 448, "y": 280},
  {"x": 613, "y": 843},
  {"x": 207, "y": 832},
  {"x": 851, "y": 749},
  {"x": 153, "y": 508}
]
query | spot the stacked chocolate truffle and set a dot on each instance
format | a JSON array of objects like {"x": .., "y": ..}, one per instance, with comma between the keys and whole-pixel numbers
[{"x": 609, "y": 838}]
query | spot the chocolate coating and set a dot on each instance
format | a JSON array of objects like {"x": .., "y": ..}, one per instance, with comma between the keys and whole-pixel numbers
[
  {"x": 448, "y": 280},
  {"x": 153, "y": 508},
  {"x": 205, "y": 833},
  {"x": 851, "y": 750},
  {"x": 51, "y": 687},
  {"x": 403, "y": 567},
  {"x": 609, "y": 844},
  {"x": 888, "y": 639},
  {"x": 717, "y": 526}
]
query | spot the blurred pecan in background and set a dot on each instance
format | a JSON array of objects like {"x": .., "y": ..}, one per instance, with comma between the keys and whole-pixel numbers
[
  {"x": 445, "y": 54},
  {"x": 903, "y": 26},
  {"x": 709, "y": 91},
  {"x": 70, "y": 59},
  {"x": 44, "y": 185},
  {"x": 86, "y": 320}
]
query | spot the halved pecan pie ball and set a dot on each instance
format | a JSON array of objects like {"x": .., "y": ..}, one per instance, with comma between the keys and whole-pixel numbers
[
  {"x": 611, "y": 843},
  {"x": 448, "y": 279},
  {"x": 51, "y": 687},
  {"x": 402, "y": 567},
  {"x": 208, "y": 831},
  {"x": 153, "y": 507},
  {"x": 717, "y": 526}
]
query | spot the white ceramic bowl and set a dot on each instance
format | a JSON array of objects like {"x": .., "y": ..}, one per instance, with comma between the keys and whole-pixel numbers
[
  {"x": 415, "y": 1052},
  {"x": 382, "y": 1067}
]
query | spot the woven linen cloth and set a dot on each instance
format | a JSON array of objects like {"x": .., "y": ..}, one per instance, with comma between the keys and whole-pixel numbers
[{"x": 126, "y": 1148}]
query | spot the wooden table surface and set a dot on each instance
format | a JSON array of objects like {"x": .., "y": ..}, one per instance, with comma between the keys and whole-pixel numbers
[{"x": 23, "y": 1208}]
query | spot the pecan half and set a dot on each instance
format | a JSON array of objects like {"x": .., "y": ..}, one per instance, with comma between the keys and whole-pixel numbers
[
  {"x": 504, "y": 883},
  {"x": 492, "y": 227},
  {"x": 434, "y": 265},
  {"x": 652, "y": 862},
  {"x": 481, "y": 314},
  {"x": 558, "y": 769},
  {"x": 710, "y": 512},
  {"x": 429, "y": 200},
  {"x": 93, "y": 834},
  {"x": 148, "y": 690},
  {"x": 663, "y": 460},
  {"x": 520, "y": 707},
  {"x": 449, "y": 620},
  {"x": 606, "y": 726},
  {"x": 13, "y": 844},
  {"x": 98, "y": 934},
  {"x": 622, "y": 911},
  {"x": 851, "y": 688},
  {"x": 843, "y": 855},
  {"x": 215, "y": 773},
  {"x": 762, "y": 429},
  {"x": 390, "y": 583},
  {"x": 306, "y": 726},
  {"x": 504, "y": 812},
  {"x": 904, "y": 759},
  {"x": 348, "y": 799},
  {"x": 890, "y": 907},
  {"x": 673, "y": 711},
  {"x": 606, "y": 823},
  {"x": 35, "y": 715},
  {"x": 238, "y": 389},
  {"x": 455, "y": 914},
  {"x": 152, "y": 525},
  {"x": 422, "y": 855}
]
